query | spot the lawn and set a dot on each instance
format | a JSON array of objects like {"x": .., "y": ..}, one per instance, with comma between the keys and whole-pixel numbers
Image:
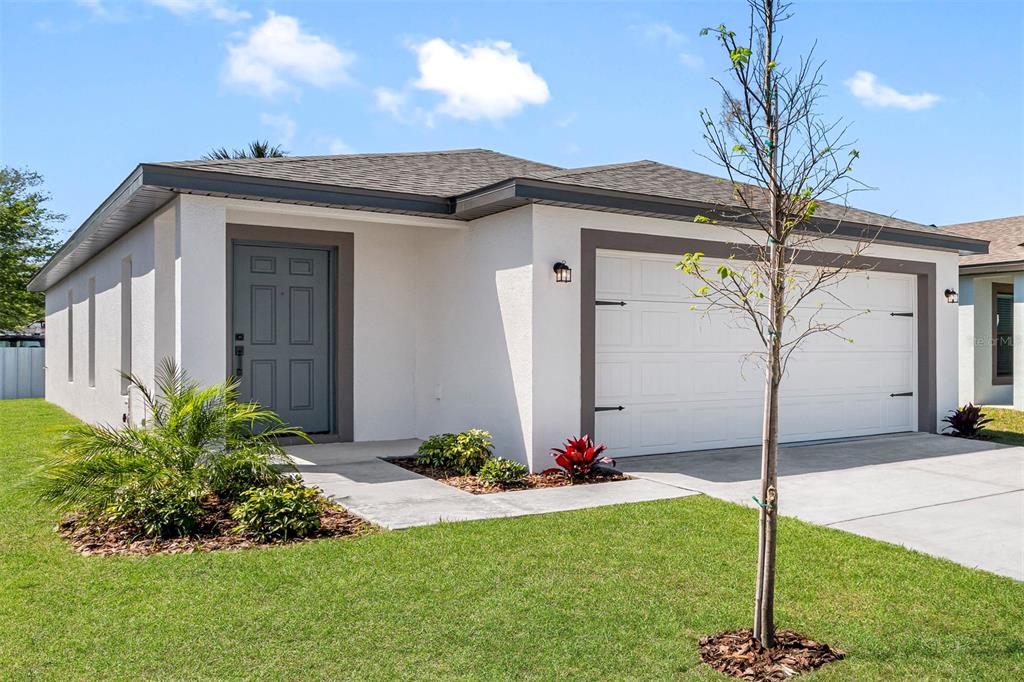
[
  {"x": 614, "y": 593},
  {"x": 1007, "y": 425}
]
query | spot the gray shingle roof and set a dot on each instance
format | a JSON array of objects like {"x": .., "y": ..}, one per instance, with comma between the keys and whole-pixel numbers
[
  {"x": 439, "y": 174},
  {"x": 659, "y": 179},
  {"x": 1005, "y": 237},
  {"x": 455, "y": 172},
  {"x": 440, "y": 185}
]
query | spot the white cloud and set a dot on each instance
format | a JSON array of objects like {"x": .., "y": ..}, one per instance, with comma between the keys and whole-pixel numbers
[
  {"x": 660, "y": 32},
  {"x": 483, "y": 80},
  {"x": 397, "y": 104},
  {"x": 566, "y": 120},
  {"x": 215, "y": 9},
  {"x": 691, "y": 61},
  {"x": 865, "y": 86},
  {"x": 283, "y": 125},
  {"x": 337, "y": 146},
  {"x": 390, "y": 101},
  {"x": 101, "y": 9},
  {"x": 278, "y": 52}
]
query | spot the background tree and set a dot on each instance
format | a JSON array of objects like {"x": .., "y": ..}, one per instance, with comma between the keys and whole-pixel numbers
[
  {"x": 26, "y": 242},
  {"x": 783, "y": 163},
  {"x": 257, "y": 149}
]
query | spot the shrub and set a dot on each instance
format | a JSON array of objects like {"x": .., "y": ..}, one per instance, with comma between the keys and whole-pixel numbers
[
  {"x": 288, "y": 511},
  {"x": 580, "y": 457},
  {"x": 967, "y": 421},
  {"x": 499, "y": 470},
  {"x": 463, "y": 453},
  {"x": 245, "y": 469},
  {"x": 204, "y": 436},
  {"x": 170, "y": 510}
]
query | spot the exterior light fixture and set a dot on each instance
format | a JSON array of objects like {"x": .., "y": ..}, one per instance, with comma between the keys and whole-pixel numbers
[
  {"x": 563, "y": 273},
  {"x": 952, "y": 296}
]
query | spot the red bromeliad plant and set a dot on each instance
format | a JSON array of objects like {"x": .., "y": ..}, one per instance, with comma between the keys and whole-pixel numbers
[{"x": 580, "y": 457}]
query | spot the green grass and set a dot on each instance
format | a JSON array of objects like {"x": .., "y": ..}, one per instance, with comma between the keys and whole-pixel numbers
[
  {"x": 613, "y": 593},
  {"x": 1007, "y": 425}
]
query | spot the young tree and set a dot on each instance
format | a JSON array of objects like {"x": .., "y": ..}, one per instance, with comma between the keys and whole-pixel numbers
[
  {"x": 783, "y": 163},
  {"x": 257, "y": 149},
  {"x": 26, "y": 242}
]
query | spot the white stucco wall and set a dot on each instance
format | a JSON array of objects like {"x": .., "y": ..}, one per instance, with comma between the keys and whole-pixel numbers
[
  {"x": 456, "y": 325},
  {"x": 442, "y": 315},
  {"x": 474, "y": 350},
  {"x": 975, "y": 334},
  {"x": 442, "y": 322},
  {"x": 102, "y": 402}
]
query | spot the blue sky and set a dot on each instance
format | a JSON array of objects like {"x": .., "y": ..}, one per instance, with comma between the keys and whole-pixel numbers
[{"x": 933, "y": 89}]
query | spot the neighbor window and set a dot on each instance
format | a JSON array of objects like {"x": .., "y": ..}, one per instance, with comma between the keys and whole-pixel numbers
[
  {"x": 1002, "y": 333},
  {"x": 71, "y": 335},
  {"x": 92, "y": 331},
  {"x": 126, "y": 322}
]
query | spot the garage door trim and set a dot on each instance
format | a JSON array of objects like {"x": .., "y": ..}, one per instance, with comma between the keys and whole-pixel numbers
[{"x": 591, "y": 240}]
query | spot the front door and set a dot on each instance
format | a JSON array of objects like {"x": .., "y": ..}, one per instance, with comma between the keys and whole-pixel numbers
[{"x": 281, "y": 339}]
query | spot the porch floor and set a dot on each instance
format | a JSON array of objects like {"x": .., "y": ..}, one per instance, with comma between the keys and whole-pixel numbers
[{"x": 356, "y": 476}]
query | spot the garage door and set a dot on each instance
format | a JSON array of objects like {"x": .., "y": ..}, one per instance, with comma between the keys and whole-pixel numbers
[{"x": 685, "y": 379}]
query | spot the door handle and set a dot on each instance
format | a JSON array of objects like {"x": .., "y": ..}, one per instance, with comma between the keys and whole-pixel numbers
[
  {"x": 239, "y": 352},
  {"x": 617, "y": 408}
]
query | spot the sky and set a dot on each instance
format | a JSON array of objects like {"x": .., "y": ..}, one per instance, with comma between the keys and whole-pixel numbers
[{"x": 90, "y": 88}]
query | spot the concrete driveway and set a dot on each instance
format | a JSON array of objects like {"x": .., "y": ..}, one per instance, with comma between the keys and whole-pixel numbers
[{"x": 948, "y": 497}]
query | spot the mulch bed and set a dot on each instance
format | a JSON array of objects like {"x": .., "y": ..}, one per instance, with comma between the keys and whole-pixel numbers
[
  {"x": 214, "y": 533},
  {"x": 738, "y": 654},
  {"x": 472, "y": 484}
]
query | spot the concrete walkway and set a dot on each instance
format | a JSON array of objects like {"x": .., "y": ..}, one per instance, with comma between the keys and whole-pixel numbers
[
  {"x": 354, "y": 475},
  {"x": 948, "y": 497}
]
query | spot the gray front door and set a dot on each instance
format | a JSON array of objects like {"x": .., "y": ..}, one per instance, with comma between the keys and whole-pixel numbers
[{"x": 281, "y": 340}]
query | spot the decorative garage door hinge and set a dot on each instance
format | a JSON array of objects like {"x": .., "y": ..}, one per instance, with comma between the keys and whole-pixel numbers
[
  {"x": 609, "y": 303},
  {"x": 901, "y": 395},
  {"x": 901, "y": 314},
  {"x": 617, "y": 408}
]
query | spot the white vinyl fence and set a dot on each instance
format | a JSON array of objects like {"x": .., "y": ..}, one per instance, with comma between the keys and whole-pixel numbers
[{"x": 21, "y": 373}]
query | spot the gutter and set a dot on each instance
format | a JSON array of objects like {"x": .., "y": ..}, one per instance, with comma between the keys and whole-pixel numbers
[
  {"x": 519, "y": 191},
  {"x": 992, "y": 268}
]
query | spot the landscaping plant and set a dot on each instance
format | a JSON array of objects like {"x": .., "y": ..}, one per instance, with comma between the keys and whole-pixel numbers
[
  {"x": 580, "y": 457},
  {"x": 967, "y": 421},
  {"x": 501, "y": 471},
  {"x": 280, "y": 512},
  {"x": 463, "y": 453},
  {"x": 198, "y": 442},
  {"x": 789, "y": 177}
]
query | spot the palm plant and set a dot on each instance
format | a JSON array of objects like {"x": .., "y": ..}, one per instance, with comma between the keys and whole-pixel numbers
[
  {"x": 198, "y": 441},
  {"x": 257, "y": 149}
]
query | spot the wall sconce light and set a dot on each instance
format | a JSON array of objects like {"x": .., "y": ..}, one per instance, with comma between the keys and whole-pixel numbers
[
  {"x": 563, "y": 273},
  {"x": 952, "y": 296}
]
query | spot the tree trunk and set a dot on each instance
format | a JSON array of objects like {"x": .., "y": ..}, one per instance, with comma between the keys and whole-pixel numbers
[{"x": 764, "y": 606}]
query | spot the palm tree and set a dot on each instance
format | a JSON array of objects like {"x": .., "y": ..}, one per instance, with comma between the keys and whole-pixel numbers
[
  {"x": 198, "y": 441},
  {"x": 257, "y": 149}
]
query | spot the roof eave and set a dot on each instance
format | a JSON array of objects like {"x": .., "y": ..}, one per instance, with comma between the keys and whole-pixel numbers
[
  {"x": 150, "y": 186},
  {"x": 518, "y": 191},
  {"x": 992, "y": 268}
]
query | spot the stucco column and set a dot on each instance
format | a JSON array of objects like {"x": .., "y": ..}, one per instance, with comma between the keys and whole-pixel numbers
[
  {"x": 967, "y": 346},
  {"x": 1018, "y": 341},
  {"x": 201, "y": 289}
]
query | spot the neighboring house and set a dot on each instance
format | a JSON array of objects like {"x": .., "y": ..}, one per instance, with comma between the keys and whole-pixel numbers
[
  {"x": 384, "y": 296},
  {"x": 991, "y": 296}
]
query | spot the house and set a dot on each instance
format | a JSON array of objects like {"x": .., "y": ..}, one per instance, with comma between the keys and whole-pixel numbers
[
  {"x": 385, "y": 296},
  {"x": 990, "y": 296}
]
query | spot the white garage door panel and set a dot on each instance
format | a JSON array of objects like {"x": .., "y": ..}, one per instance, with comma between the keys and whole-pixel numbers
[{"x": 688, "y": 381}]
